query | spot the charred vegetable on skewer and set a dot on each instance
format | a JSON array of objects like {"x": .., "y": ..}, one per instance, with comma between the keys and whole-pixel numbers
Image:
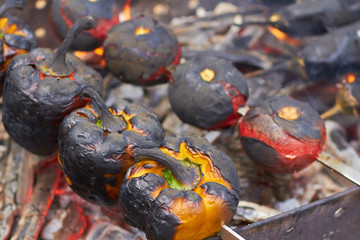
[
  {"x": 16, "y": 37},
  {"x": 41, "y": 88},
  {"x": 207, "y": 91},
  {"x": 153, "y": 200},
  {"x": 283, "y": 136},
  {"x": 97, "y": 145},
  {"x": 64, "y": 13},
  {"x": 141, "y": 51}
]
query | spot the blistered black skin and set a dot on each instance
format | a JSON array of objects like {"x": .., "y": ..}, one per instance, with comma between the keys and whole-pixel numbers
[
  {"x": 136, "y": 198},
  {"x": 34, "y": 108},
  {"x": 74, "y": 10},
  {"x": 134, "y": 58},
  {"x": 201, "y": 103},
  {"x": 144, "y": 119},
  {"x": 218, "y": 158},
  {"x": 331, "y": 56},
  {"x": 264, "y": 154},
  {"x": 305, "y": 128},
  {"x": 27, "y": 42},
  {"x": 317, "y": 17},
  {"x": 87, "y": 154}
]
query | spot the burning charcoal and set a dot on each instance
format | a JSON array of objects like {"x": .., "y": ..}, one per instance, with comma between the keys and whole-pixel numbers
[
  {"x": 107, "y": 231},
  {"x": 96, "y": 146},
  {"x": 153, "y": 200},
  {"x": 64, "y": 13},
  {"x": 141, "y": 51},
  {"x": 315, "y": 17},
  {"x": 33, "y": 214},
  {"x": 16, "y": 184},
  {"x": 69, "y": 223},
  {"x": 41, "y": 88},
  {"x": 207, "y": 91},
  {"x": 283, "y": 135},
  {"x": 16, "y": 38}
]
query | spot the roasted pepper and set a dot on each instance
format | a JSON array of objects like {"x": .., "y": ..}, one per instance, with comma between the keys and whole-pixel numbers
[
  {"x": 141, "y": 51},
  {"x": 207, "y": 91},
  {"x": 282, "y": 136},
  {"x": 97, "y": 144},
  {"x": 41, "y": 88},
  {"x": 64, "y": 13},
  {"x": 154, "y": 201},
  {"x": 15, "y": 37}
]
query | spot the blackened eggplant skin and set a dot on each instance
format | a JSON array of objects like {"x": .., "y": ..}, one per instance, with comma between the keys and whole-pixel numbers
[
  {"x": 152, "y": 201},
  {"x": 207, "y": 91},
  {"x": 333, "y": 55},
  {"x": 315, "y": 17},
  {"x": 141, "y": 51},
  {"x": 282, "y": 136},
  {"x": 93, "y": 160},
  {"x": 64, "y": 13},
  {"x": 41, "y": 88}
]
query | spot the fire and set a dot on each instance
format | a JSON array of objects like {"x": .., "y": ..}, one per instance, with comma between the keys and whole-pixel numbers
[
  {"x": 92, "y": 57},
  {"x": 125, "y": 14},
  {"x": 283, "y": 36},
  {"x": 141, "y": 31},
  {"x": 350, "y": 78}
]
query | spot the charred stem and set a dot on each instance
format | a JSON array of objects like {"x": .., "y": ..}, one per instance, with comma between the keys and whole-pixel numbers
[
  {"x": 181, "y": 173},
  {"x": 108, "y": 121},
  {"x": 10, "y": 4},
  {"x": 58, "y": 64}
]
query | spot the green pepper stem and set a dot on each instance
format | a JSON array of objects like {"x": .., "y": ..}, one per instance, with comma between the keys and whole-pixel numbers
[
  {"x": 109, "y": 122},
  {"x": 9, "y": 4},
  {"x": 59, "y": 62},
  {"x": 180, "y": 172}
]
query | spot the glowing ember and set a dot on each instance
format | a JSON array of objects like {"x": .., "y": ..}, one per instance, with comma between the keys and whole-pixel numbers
[
  {"x": 207, "y": 75},
  {"x": 275, "y": 18},
  {"x": 99, "y": 51},
  {"x": 350, "y": 78},
  {"x": 141, "y": 31},
  {"x": 288, "y": 113},
  {"x": 125, "y": 15},
  {"x": 283, "y": 36}
]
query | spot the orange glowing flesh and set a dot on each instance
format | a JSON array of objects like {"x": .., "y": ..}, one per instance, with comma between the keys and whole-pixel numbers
[
  {"x": 198, "y": 220},
  {"x": 127, "y": 118},
  {"x": 207, "y": 75},
  {"x": 10, "y": 29},
  {"x": 141, "y": 31},
  {"x": 283, "y": 36},
  {"x": 88, "y": 106},
  {"x": 68, "y": 180},
  {"x": 113, "y": 191},
  {"x": 350, "y": 78},
  {"x": 288, "y": 113}
]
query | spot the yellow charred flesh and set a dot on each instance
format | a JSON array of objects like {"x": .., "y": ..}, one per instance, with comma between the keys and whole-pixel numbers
[
  {"x": 207, "y": 75},
  {"x": 288, "y": 113}
]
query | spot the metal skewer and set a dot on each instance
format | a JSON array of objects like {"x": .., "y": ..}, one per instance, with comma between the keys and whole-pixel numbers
[
  {"x": 227, "y": 233},
  {"x": 341, "y": 168}
]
